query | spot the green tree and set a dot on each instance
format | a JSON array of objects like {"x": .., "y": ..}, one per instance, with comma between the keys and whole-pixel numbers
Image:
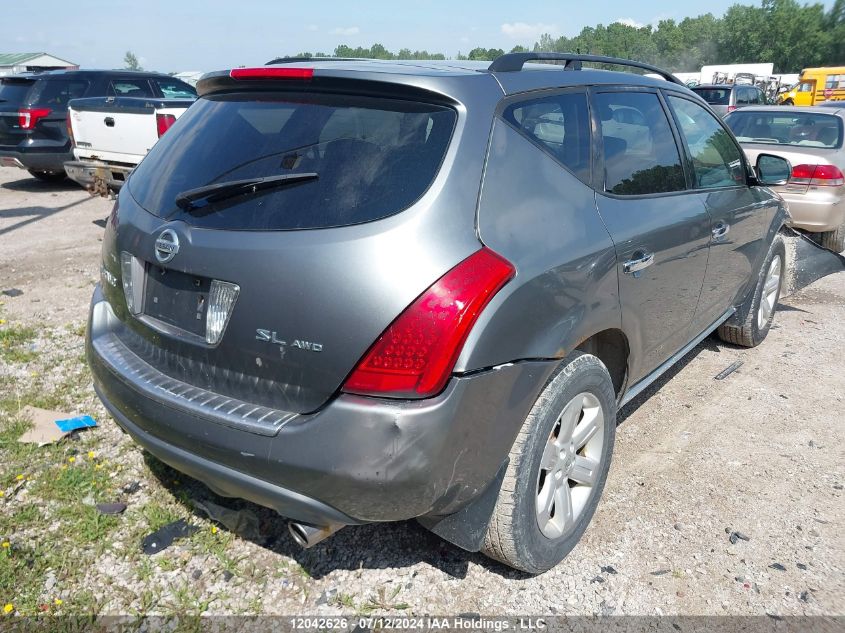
[{"x": 131, "y": 61}]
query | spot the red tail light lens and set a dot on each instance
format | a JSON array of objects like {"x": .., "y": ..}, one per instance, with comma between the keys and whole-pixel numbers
[
  {"x": 414, "y": 357},
  {"x": 272, "y": 73},
  {"x": 164, "y": 122},
  {"x": 69, "y": 128},
  {"x": 731, "y": 108},
  {"x": 29, "y": 117},
  {"x": 817, "y": 175}
]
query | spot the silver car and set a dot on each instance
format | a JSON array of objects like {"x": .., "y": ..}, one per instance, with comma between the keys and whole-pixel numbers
[{"x": 811, "y": 140}]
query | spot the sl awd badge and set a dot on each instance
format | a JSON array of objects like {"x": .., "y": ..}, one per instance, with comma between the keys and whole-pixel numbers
[
  {"x": 269, "y": 336},
  {"x": 166, "y": 246}
]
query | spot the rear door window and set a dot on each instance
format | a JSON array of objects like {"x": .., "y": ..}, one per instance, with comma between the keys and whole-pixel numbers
[
  {"x": 560, "y": 125},
  {"x": 716, "y": 159},
  {"x": 640, "y": 156},
  {"x": 373, "y": 157},
  {"x": 175, "y": 89},
  {"x": 55, "y": 93},
  {"x": 130, "y": 88}
]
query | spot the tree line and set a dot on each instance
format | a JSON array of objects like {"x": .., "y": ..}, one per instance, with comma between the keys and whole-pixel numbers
[{"x": 790, "y": 35}]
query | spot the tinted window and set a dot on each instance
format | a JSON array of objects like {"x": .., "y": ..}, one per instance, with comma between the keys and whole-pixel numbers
[
  {"x": 374, "y": 158},
  {"x": 175, "y": 89},
  {"x": 14, "y": 92},
  {"x": 55, "y": 93},
  {"x": 130, "y": 88},
  {"x": 639, "y": 157},
  {"x": 716, "y": 159},
  {"x": 560, "y": 125},
  {"x": 786, "y": 128},
  {"x": 714, "y": 96}
]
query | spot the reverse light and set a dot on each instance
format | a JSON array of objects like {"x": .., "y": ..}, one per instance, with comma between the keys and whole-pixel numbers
[
  {"x": 817, "y": 175},
  {"x": 221, "y": 299},
  {"x": 272, "y": 73},
  {"x": 130, "y": 271},
  {"x": 164, "y": 123},
  {"x": 415, "y": 356},
  {"x": 29, "y": 117}
]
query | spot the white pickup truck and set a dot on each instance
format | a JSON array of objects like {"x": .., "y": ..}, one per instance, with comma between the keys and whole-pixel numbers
[{"x": 112, "y": 134}]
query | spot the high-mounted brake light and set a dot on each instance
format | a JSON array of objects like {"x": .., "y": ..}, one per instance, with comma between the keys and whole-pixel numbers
[
  {"x": 28, "y": 117},
  {"x": 164, "y": 122},
  {"x": 272, "y": 73},
  {"x": 817, "y": 176},
  {"x": 415, "y": 356}
]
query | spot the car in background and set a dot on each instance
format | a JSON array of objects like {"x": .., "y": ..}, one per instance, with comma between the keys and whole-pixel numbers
[
  {"x": 724, "y": 98},
  {"x": 811, "y": 139},
  {"x": 33, "y": 111}
]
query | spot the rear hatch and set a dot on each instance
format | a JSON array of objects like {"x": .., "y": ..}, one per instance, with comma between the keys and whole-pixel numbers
[
  {"x": 36, "y": 108},
  {"x": 323, "y": 263},
  {"x": 14, "y": 93},
  {"x": 119, "y": 128}
]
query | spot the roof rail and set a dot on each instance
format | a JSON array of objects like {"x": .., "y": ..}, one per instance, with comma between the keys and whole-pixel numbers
[
  {"x": 296, "y": 60},
  {"x": 513, "y": 62}
]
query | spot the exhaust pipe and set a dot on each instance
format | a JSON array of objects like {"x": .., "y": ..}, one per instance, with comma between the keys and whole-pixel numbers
[{"x": 308, "y": 536}]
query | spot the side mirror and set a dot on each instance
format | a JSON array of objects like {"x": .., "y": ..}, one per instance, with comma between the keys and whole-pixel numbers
[{"x": 772, "y": 170}]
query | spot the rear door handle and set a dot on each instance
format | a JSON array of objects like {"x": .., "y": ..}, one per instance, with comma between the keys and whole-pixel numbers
[
  {"x": 720, "y": 230},
  {"x": 109, "y": 121},
  {"x": 640, "y": 261}
]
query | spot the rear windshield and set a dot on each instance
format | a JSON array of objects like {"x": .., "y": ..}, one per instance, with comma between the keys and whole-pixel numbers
[
  {"x": 373, "y": 157},
  {"x": 787, "y": 128},
  {"x": 14, "y": 91},
  {"x": 714, "y": 96}
]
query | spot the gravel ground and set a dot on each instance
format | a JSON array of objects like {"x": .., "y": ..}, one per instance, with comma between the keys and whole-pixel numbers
[{"x": 760, "y": 452}]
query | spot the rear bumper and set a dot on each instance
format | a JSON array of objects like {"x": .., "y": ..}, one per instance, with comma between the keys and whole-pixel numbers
[
  {"x": 36, "y": 160},
  {"x": 356, "y": 460},
  {"x": 816, "y": 211},
  {"x": 87, "y": 173}
]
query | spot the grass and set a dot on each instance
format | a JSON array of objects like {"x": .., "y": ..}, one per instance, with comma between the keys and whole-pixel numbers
[{"x": 14, "y": 343}]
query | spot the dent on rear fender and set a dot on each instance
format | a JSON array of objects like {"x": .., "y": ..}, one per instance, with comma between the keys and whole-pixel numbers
[{"x": 544, "y": 220}]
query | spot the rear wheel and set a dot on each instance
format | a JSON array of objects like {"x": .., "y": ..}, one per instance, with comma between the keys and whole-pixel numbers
[
  {"x": 761, "y": 311},
  {"x": 49, "y": 176},
  {"x": 788, "y": 102},
  {"x": 557, "y": 470},
  {"x": 834, "y": 240}
]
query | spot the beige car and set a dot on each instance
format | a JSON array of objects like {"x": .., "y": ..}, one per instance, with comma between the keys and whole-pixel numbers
[{"x": 811, "y": 139}]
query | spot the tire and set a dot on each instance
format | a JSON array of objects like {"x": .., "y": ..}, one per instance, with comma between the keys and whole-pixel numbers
[
  {"x": 514, "y": 535},
  {"x": 834, "y": 240},
  {"x": 788, "y": 102},
  {"x": 48, "y": 176},
  {"x": 758, "y": 318}
]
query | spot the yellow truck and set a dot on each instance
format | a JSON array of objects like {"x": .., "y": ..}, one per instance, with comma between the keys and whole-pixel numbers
[{"x": 816, "y": 85}]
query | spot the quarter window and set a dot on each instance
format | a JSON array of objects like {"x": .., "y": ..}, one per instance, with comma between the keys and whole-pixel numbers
[
  {"x": 640, "y": 154},
  {"x": 560, "y": 125},
  {"x": 716, "y": 159}
]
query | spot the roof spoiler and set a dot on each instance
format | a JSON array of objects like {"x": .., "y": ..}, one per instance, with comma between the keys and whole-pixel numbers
[{"x": 513, "y": 62}]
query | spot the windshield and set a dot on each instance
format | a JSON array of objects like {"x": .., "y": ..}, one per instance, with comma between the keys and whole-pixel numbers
[
  {"x": 787, "y": 128},
  {"x": 714, "y": 96},
  {"x": 374, "y": 157}
]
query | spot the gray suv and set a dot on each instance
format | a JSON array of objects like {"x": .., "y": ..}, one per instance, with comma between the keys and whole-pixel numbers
[{"x": 361, "y": 291}]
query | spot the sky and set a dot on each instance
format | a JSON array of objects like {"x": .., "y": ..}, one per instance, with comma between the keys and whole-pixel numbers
[{"x": 204, "y": 35}]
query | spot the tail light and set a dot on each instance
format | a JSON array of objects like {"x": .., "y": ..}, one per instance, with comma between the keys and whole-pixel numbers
[
  {"x": 29, "y": 117},
  {"x": 272, "y": 73},
  {"x": 69, "y": 128},
  {"x": 817, "y": 175},
  {"x": 731, "y": 108},
  {"x": 415, "y": 356},
  {"x": 164, "y": 122}
]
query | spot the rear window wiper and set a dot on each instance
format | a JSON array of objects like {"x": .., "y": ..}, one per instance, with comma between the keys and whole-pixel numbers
[{"x": 209, "y": 194}]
